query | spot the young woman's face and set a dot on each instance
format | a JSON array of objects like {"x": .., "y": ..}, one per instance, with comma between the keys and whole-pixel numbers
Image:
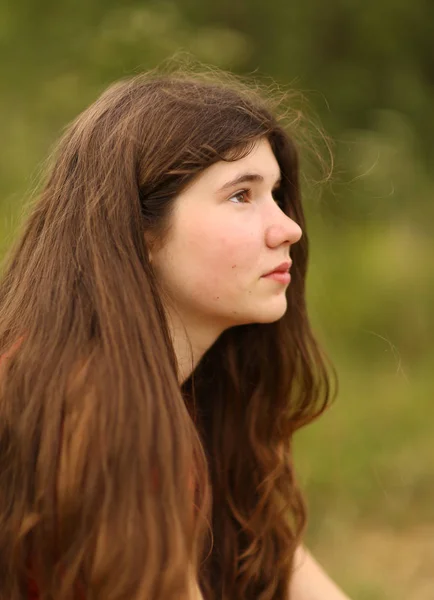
[{"x": 225, "y": 236}]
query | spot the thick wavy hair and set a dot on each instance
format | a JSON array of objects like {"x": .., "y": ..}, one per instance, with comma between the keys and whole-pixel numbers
[{"x": 115, "y": 482}]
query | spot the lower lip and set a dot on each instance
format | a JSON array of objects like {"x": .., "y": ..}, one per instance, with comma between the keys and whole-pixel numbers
[{"x": 279, "y": 276}]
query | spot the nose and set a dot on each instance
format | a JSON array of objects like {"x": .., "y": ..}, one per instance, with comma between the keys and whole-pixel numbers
[{"x": 283, "y": 230}]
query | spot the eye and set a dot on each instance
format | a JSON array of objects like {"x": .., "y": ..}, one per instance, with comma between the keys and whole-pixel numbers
[{"x": 242, "y": 195}]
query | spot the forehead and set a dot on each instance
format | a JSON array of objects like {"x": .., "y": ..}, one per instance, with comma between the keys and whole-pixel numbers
[{"x": 260, "y": 160}]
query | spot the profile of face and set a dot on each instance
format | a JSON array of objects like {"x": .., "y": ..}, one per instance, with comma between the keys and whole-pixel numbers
[{"x": 226, "y": 232}]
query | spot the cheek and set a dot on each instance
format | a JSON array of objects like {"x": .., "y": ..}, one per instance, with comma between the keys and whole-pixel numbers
[
  {"x": 223, "y": 251},
  {"x": 210, "y": 260}
]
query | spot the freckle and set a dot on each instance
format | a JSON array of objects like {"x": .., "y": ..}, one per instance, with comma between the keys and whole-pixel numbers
[{"x": 233, "y": 266}]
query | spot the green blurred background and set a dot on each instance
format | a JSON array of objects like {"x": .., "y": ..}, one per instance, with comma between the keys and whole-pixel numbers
[{"x": 367, "y": 70}]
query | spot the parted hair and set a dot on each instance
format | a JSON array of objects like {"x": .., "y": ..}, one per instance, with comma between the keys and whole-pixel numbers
[{"x": 117, "y": 483}]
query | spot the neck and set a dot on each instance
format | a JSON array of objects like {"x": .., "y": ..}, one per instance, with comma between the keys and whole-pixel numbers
[{"x": 191, "y": 339}]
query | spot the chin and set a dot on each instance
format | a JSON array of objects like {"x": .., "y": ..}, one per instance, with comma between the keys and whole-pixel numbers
[
  {"x": 268, "y": 315},
  {"x": 273, "y": 311},
  {"x": 272, "y": 318}
]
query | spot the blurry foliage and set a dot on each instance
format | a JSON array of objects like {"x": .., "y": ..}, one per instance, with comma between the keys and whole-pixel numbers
[{"x": 368, "y": 71}]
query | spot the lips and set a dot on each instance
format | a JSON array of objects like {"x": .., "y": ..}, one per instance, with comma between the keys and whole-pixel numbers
[{"x": 282, "y": 268}]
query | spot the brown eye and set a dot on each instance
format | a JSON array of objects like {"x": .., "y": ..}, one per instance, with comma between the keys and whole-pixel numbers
[{"x": 242, "y": 196}]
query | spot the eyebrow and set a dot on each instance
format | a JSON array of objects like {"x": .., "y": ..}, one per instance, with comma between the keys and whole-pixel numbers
[{"x": 247, "y": 178}]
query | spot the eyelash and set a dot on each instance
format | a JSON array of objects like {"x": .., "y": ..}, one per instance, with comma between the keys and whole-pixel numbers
[{"x": 248, "y": 192}]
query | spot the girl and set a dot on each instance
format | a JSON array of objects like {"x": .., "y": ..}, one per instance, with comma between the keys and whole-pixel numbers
[{"x": 157, "y": 356}]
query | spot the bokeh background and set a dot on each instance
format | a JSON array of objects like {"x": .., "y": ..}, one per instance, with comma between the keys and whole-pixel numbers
[{"x": 367, "y": 71}]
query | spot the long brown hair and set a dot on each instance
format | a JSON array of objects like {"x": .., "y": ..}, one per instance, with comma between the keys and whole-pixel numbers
[{"x": 107, "y": 467}]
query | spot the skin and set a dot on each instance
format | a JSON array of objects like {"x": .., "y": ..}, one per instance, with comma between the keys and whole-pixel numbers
[{"x": 222, "y": 241}]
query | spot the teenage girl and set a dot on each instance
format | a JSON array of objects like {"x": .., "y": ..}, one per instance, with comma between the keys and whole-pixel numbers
[{"x": 157, "y": 356}]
